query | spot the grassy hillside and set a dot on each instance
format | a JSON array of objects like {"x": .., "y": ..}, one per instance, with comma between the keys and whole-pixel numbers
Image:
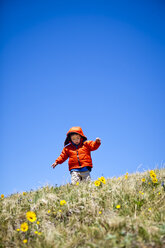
[{"x": 120, "y": 212}]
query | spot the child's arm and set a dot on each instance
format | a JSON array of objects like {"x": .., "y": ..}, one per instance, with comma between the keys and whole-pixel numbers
[
  {"x": 94, "y": 145},
  {"x": 63, "y": 156}
]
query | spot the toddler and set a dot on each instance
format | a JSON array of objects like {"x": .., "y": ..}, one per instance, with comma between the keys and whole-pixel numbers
[{"x": 78, "y": 149}]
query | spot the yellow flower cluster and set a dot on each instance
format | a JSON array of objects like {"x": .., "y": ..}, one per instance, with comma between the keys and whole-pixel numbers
[
  {"x": 97, "y": 183},
  {"x": 31, "y": 216},
  {"x": 126, "y": 175},
  {"x": 153, "y": 176},
  {"x": 62, "y": 202},
  {"x": 36, "y": 232},
  {"x": 2, "y": 196},
  {"x": 24, "y": 227},
  {"x": 100, "y": 180}
]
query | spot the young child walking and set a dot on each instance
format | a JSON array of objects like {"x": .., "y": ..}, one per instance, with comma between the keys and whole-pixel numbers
[{"x": 78, "y": 149}]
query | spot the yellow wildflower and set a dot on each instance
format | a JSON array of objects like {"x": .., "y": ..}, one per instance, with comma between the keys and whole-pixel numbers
[
  {"x": 25, "y": 241},
  {"x": 48, "y": 211},
  {"x": 149, "y": 209},
  {"x": 152, "y": 174},
  {"x": 62, "y": 202},
  {"x": 39, "y": 233},
  {"x": 154, "y": 180},
  {"x": 102, "y": 179},
  {"x": 153, "y": 177},
  {"x": 100, "y": 212},
  {"x": 60, "y": 210},
  {"x": 77, "y": 183},
  {"x": 2, "y": 196},
  {"x": 24, "y": 193},
  {"x": 38, "y": 222},
  {"x": 36, "y": 232},
  {"x": 143, "y": 179},
  {"x": 18, "y": 229},
  {"x": 24, "y": 227},
  {"x": 119, "y": 178},
  {"x": 31, "y": 216},
  {"x": 126, "y": 176},
  {"x": 97, "y": 183},
  {"x": 118, "y": 206}
]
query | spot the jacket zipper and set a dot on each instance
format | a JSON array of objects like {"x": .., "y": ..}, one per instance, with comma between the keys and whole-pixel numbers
[{"x": 78, "y": 158}]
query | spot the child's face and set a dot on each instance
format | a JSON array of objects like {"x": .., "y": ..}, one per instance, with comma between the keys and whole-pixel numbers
[{"x": 75, "y": 138}]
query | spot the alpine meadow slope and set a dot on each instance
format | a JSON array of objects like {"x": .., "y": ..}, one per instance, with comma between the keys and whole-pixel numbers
[{"x": 128, "y": 211}]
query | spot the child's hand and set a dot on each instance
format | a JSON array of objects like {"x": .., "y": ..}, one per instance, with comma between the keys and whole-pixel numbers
[
  {"x": 98, "y": 140},
  {"x": 54, "y": 165}
]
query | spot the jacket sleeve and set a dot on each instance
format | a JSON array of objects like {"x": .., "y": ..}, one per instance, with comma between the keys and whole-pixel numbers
[
  {"x": 92, "y": 145},
  {"x": 63, "y": 156}
]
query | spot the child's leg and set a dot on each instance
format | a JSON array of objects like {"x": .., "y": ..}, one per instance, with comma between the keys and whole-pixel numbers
[
  {"x": 75, "y": 177},
  {"x": 85, "y": 175}
]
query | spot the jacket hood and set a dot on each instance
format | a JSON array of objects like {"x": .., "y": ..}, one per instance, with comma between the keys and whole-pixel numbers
[{"x": 76, "y": 130}]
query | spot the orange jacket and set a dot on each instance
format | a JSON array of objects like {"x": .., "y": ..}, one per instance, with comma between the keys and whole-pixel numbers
[{"x": 78, "y": 157}]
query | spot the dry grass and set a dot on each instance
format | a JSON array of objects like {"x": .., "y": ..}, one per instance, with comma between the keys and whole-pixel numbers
[{"x": 138, "y": 222}]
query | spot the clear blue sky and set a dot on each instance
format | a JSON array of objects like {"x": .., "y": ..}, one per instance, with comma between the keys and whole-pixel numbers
[{"x": 95, "y": 64}]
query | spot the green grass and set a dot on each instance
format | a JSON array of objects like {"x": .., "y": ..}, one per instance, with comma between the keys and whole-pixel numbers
[{"x": 139, "y": 222}]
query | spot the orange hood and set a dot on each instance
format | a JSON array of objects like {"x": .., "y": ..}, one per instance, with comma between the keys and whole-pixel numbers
[{"x": 77, "y": 130}]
